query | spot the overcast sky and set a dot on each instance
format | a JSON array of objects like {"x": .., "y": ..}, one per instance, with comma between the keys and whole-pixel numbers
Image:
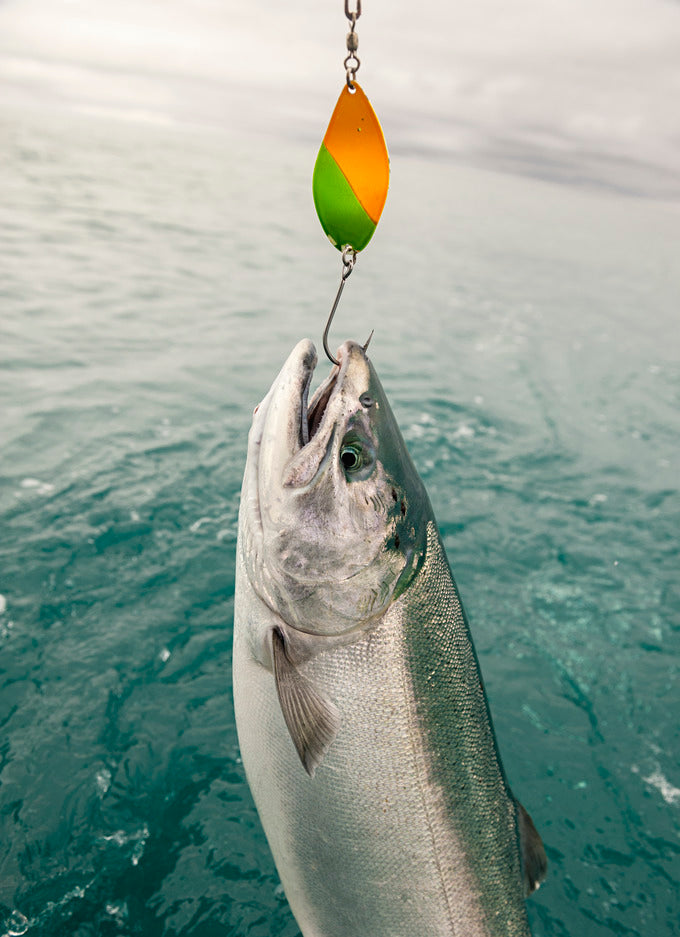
[{"x": 576, "y": 81}]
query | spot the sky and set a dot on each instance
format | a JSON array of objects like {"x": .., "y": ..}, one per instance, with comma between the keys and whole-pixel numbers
[{"x": 572, "y": 88}]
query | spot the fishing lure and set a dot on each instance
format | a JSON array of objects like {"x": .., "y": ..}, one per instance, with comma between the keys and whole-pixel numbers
[{"x": 352, "y": 170}]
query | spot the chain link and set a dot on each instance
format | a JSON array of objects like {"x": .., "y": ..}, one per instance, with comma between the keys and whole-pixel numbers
[
  {"x": 349, "y": 258},
  {"x": 352, "y": 61},
  {"x": 353, "y": 15}
]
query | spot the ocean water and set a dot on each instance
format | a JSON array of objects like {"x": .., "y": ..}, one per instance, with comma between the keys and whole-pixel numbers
[{"x": 153, "y": 278}]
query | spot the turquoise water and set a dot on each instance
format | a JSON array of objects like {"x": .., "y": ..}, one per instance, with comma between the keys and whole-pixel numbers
[{"x": 154, "y": 278}]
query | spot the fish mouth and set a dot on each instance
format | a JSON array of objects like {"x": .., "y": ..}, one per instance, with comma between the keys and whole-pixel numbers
[
  {"x": 312, "y": 414},
  {"x": 292, "y": 437},
  {"x": 321, "y": 420},
  {"x": 352, "y": 368},
  {"x": 309, "y": 453}
]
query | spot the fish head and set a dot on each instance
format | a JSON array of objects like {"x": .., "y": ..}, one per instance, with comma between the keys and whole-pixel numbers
[{"x": 333, "y": 512}]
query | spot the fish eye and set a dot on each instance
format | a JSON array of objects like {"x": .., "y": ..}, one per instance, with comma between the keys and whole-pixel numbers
[
  {"x": 351, "y": 457},
  {"x": 357, "y": 456}
]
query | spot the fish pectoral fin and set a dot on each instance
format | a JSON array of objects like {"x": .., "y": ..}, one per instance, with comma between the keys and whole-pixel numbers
[
  {"x": 534, "y": 860},
  {"x": 312, "y": 721}
]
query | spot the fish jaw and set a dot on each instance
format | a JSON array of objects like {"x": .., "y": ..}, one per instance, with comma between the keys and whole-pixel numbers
[{"x": 276, "y": 433}]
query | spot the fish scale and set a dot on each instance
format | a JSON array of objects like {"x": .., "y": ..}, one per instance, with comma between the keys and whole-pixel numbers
[
  {"x": 376, "y": 778},
  {"x": 462, "y": 757}
]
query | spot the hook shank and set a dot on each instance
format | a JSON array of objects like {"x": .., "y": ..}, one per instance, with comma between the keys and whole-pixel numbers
[
  {"x": 349, "y": 257},
  {"x": 330, "y": 319}
]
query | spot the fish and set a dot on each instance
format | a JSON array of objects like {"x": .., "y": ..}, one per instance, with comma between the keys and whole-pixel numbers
[{"x": 362, "y": 719}]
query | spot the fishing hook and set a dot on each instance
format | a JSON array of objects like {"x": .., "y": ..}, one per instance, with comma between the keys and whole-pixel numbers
[{"x": 349, "y": 258}]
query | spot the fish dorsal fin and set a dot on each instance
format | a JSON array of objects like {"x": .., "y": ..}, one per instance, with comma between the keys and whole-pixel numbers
[
  {"x": 312, "y": 721},
  {"x": 534, "y": 860}
]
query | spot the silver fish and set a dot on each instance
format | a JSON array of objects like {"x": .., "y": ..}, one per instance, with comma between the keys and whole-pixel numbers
[{"x": 361, "y": 714}]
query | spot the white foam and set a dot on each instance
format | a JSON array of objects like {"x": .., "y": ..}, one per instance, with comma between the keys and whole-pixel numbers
[
  {"x": 138, "y": 839},
  {"x": 669, "y": 793},
  {"x": 117, "y": 911},
  {"x": 17, "y": 925},
  {"x": 6, "y": 628},
  {"x": 196, "y": 526},
  {"x": 103, "y": 779},
  {"x": 34, "y": 484},
  {"x": 119, "y": 838},
  {"x": 3, "y": 604}
]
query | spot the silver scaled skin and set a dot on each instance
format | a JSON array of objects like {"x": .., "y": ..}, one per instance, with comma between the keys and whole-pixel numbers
[{"x": 362, "y": 719}]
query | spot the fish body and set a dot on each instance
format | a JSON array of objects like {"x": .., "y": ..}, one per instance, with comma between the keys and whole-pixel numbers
[{"x": 362, "y": 719}]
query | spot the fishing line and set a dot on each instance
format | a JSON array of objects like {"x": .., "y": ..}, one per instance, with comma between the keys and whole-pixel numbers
[{"x": 352, "y": 170}]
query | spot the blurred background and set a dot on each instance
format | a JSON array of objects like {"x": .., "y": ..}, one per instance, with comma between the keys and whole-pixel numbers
[
  {"x": 579, "y": 91},
  {"x": 159, "y": 258}
]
